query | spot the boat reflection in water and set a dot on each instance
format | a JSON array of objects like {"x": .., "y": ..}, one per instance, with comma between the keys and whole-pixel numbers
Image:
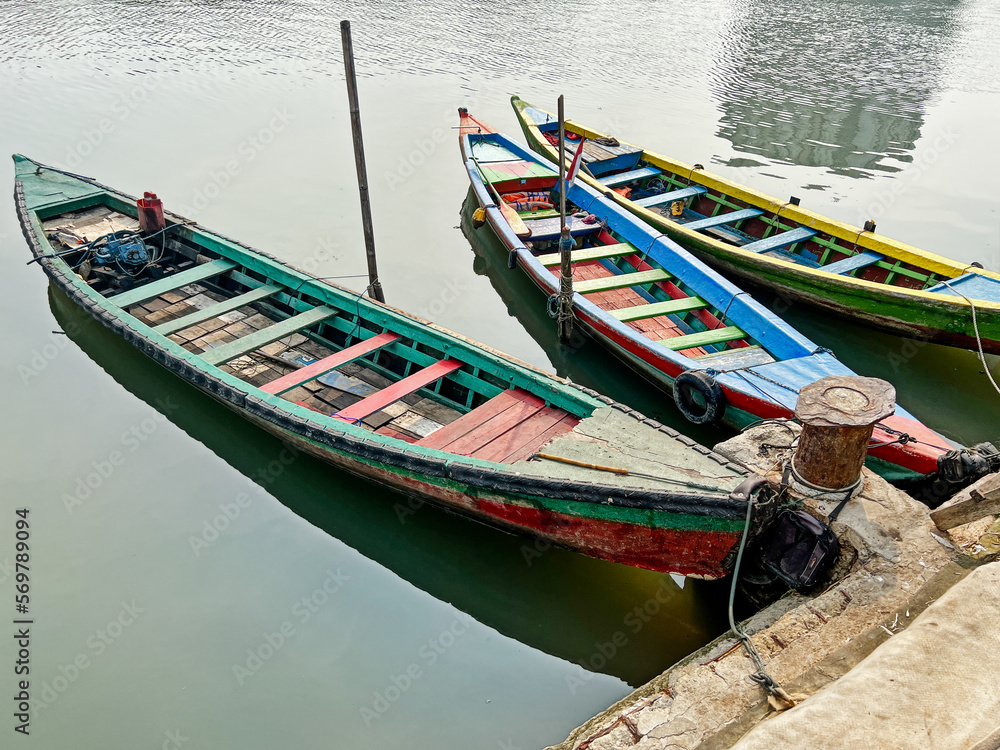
[
  {"x": 836, "y": 83},
  {"x": 607, "y": 618}
]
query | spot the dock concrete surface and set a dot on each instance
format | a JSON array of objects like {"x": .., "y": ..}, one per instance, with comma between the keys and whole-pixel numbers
[{"x": 902, "y": 651}]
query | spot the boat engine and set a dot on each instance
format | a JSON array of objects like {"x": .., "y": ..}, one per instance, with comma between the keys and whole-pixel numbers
[
  {"x": 119, "y": 258},
  {"x": 124, "y": 247}
]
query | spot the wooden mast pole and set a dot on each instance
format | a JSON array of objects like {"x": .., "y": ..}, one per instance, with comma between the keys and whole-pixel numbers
[
  {"x": 374, "y": 286},
  {"x": 565, "y": 318}
]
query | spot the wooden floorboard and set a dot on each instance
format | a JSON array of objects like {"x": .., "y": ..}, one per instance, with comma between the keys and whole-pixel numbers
[
  {"x": 528, "y": 449},
  {"x": 518, "y": 434},
  {"x": 470, "y": 421},
  {"x": 491, "y": 429}
]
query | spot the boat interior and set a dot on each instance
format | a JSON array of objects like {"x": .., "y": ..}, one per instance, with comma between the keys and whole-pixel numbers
[
  {"x": 294, "y": 345},
  {"x": 621, "y": 279},
  {"x": 728, "y": 219}
]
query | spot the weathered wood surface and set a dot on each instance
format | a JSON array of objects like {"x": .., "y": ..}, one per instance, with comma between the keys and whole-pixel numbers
[
  {"x": 984, "y": 500},
  {"x": 265, "y": 336},
  {"x": 187, "y": 276},
  {"x": 220, "y": 308}
]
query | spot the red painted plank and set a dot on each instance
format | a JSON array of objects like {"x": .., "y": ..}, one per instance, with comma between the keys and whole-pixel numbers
[
  {"x": 567, "y": 423},
  {"x": 518, "y": 434},
  {"x": 493, "y": 428},
  {"x": 325, "y": 365},
  {"x": 470, "y": 421},
  {"x": 392, "y": 394}
]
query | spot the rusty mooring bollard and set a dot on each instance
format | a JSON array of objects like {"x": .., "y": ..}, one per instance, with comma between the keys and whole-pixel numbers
[{"x": 838, "y": 414}]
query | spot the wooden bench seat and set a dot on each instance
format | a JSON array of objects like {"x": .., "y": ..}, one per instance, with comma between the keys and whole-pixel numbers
[
  {"x": 613, "y": 180},
  {"x": 703, "y": 338},
  {"x": 729, "y": 218},
  {"x": 673, "y": 195},
  {"x": 853, "y": 263},
  {"x": 325, "y": 365},
  {"x": 214, "y": 311},
  {"x": 782, "y": 239},
  {"x": 621, "y": 280},
  {"x": 265, "y": 336},
  {"x": 655, "y": 309},
  {"x": 391, "y": 394},
  {"x": 199, "y": 272},
  {"x": 589, "y": 253}
]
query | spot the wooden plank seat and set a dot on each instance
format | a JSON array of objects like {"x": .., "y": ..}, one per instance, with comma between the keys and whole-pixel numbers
[
  {"x": 854, "y": 262},
  {"x": 621, "y": 280},
  {"x": 509, "y": 427},
  {"x": 199, "y": 272},
  {"x": 613, "y": 180},
  {"x": 734, "y": 359},
  {"x": 782, "y": 239},
  {"x": 655, "y": 309},
  {"x": 391, "y": 394},
  {"x": 214, "y": 311},
  {"x": 703, "y": 338},
  {"x": 729, "y": 218},
  {"x": 325, "y": 365},
  {"x": 674, "y": 195},
  {"x": 263, "y": 337},
  {"x": 589, "y": 253},
  {"x": 550, "y": 229}
]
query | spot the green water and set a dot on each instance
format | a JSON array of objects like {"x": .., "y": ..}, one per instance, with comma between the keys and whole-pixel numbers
[{"x": 326, "y": 612}]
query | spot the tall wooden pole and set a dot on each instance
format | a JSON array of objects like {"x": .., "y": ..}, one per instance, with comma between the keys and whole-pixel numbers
[
  {"x": 375, "y": 286},
  {"x": 565, "y": 319}
]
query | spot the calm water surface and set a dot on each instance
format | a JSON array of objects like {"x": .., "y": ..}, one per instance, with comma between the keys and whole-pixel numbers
[{"x": 440, "y": 633}]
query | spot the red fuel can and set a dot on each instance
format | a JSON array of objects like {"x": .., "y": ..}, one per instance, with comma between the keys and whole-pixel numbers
[{"x": 150, "y": 213}]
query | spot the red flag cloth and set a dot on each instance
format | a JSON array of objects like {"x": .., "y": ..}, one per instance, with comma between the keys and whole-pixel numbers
[{"x": 574, "y": 165}]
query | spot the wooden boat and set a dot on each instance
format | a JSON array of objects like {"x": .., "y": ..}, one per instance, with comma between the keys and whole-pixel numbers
[
  {"x": 661, "y": 310},
  {"x": 383, "y": 394},
  {"x": 849, "y": 270}
]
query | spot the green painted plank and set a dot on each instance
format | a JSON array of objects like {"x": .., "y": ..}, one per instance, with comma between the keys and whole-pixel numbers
[
  {"x": 590, "y": 253},
  {"x": 655, "y": 309},
  {"x": 265, "y": 336},
  {"x": 621, "y": 280},
  {"x": 214, "y": 311},
  {"x": 703, "y": 338},
  {"x": 189, "y": 276}
]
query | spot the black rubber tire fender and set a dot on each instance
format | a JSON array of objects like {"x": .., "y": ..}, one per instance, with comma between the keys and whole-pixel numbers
[{"x": 685, "y": 386}]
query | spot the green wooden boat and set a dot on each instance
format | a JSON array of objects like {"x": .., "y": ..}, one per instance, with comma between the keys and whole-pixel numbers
[
  {"x": 383, "y": 394},
  {"x": 848, "y": 270}
]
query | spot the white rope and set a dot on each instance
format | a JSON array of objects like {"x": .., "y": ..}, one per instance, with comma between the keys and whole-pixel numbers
[{"x": 979, "y": 340}]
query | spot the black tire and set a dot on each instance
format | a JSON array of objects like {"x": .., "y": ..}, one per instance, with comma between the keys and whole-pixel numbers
[{"x": 699, "y": 397}]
